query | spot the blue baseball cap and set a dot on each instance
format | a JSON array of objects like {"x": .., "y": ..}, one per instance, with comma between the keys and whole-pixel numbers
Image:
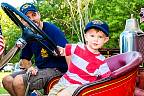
[
  {"x": 28, "y": 7},
  {"x": 98, "y": 24}
]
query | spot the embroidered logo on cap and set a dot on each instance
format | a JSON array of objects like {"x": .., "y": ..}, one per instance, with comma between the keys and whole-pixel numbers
[
  {"x": 97, "y": 22},
  {"x": 25, "y": 6}
]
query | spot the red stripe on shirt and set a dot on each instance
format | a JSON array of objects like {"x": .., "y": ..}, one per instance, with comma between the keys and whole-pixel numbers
[
  {"x": 89, "y": 57},
  {"x": 67, "y": 51},
  {"x": 82, "y": 74},
  {"x": 71, "y": 80}
]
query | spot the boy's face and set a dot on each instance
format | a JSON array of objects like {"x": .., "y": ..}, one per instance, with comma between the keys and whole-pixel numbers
[{"x": 95, "y": 39}]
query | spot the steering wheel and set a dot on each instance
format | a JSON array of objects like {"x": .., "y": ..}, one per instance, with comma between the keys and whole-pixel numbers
[{"x": 16, "y": 15}]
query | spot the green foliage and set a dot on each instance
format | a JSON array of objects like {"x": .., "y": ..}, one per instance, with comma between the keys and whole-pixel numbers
[
  {"x": 72, "y": 15},
  {"x": 3, "y": 91},
  {"x": 10, "y": 32},
  {"x": 115, "y": 12}
]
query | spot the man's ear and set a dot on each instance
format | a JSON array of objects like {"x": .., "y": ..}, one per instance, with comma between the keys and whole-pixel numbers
[{"x": 106, "y": 39}]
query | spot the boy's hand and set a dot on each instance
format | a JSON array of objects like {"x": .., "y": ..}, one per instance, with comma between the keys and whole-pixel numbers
[{"x": 61, "y": 50}]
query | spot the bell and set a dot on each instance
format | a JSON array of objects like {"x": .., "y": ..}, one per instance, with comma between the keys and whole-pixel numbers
[{"x": 129, "y": 37}]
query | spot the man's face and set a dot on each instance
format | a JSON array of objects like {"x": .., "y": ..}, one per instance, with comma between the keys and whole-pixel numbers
[{"x": 34, "y": 16}]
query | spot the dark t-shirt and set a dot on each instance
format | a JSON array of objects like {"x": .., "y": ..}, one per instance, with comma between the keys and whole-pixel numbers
[{"x": 42, "y": 58}]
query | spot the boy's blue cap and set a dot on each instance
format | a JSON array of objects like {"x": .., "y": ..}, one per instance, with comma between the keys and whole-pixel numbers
[
  {"x": 98, "y": 24},
  {"x": 27, "y": 7}
]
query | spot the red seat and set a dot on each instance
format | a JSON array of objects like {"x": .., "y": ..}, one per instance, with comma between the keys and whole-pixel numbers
[{"x": 122, "y": 81}]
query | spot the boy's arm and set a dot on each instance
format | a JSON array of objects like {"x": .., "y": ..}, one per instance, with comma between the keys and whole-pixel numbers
[
  {"x": 65, "y": 51},
  {"x": 68, "y": 58},
  {"x": 62, "y": 53}
]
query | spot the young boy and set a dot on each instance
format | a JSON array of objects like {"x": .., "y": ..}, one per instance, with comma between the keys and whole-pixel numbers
[{"x": 87, "y": 64}]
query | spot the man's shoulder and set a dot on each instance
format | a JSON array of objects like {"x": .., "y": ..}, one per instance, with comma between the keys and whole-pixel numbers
[{"x": 48, "y": 24}]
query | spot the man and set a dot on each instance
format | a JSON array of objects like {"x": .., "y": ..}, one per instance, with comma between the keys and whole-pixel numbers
[{"x": 47, "y": 66}]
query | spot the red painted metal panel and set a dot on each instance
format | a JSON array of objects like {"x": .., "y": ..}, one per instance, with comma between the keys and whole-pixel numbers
[{"x": 123, "y": 86}]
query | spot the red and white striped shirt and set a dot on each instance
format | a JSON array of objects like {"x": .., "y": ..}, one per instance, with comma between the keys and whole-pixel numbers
[{"x": 85, "y": 66}]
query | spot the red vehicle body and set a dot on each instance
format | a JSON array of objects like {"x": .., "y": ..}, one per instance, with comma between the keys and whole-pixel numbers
[
  {"x": 122, "y": 81},
  {"x": 124, "y": 67}
]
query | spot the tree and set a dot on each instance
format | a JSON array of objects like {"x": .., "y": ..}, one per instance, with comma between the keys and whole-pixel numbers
[{"x": 72, "y": 15}]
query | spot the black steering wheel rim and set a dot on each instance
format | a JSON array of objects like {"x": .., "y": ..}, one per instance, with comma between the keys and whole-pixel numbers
[{"x": 13, "y": 14}]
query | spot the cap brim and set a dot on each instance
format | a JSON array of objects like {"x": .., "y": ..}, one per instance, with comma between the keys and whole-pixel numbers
[
  {"x": 97, "y": 27},
  {"x": 28, "y": 11}
]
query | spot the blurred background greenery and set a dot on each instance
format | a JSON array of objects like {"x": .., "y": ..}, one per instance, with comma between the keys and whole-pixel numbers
[{"x": 72, "y": 15}]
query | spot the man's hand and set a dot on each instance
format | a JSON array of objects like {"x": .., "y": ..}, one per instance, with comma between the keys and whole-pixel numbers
[
  {"x": 24, "y": 63},
  {"x": 21, "y": 43},
  {"x": 32, "y": 70}
]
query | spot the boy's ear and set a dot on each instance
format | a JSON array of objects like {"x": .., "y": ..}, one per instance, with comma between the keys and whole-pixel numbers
[
  {"x": 85, "y": 37},
  {"x": 106, "y": 39}
]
